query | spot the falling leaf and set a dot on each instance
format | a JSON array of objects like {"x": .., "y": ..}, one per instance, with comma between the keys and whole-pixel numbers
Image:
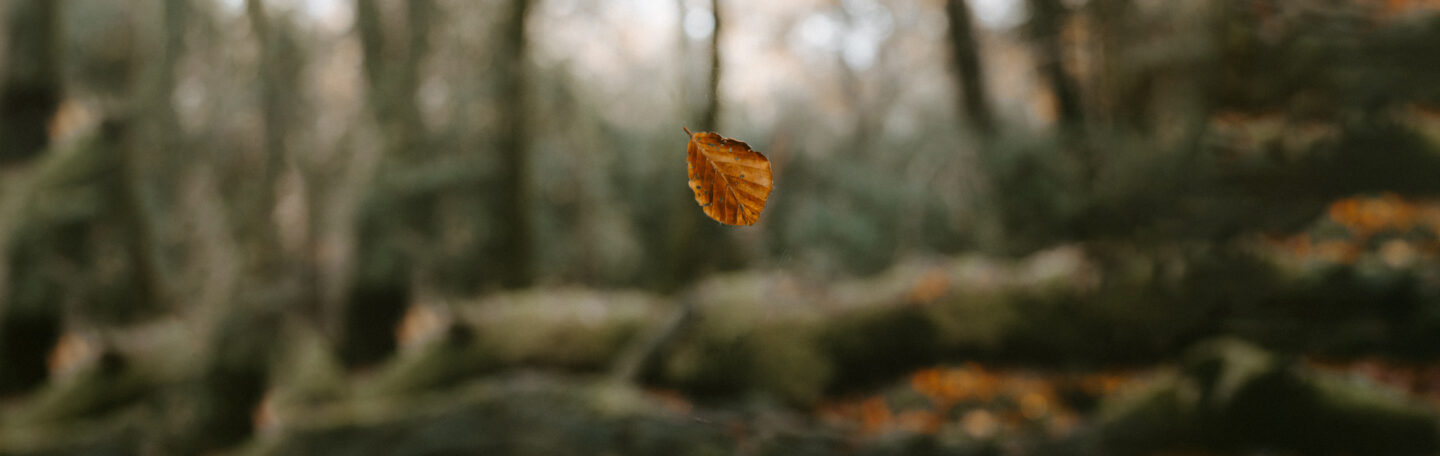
[{"x": 731, "y": 182}]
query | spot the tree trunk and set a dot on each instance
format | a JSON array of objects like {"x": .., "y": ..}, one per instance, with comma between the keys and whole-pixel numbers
[
  {"x": 392, "y": 69},
  {"x": 165, "y": 130},
  {"x": 30, "y": 319},
  {"x": 710, "y": 116},
  {"x": 515, "y": 244},
  {"x": 379, "y": 288},
  {"x": 1046, "y": 18},
  {"x": 30, "y": 79},
  {"x": 965, "y": 51},
  {"x": 372, "y": 48},
  {"x": 1111, "y": 76},
  {"x": 1046, "y": 23},
  {"x": 147, "y": 271},
  {"x": 694, "y": 243},
  {"x": 275, "y": 78}
]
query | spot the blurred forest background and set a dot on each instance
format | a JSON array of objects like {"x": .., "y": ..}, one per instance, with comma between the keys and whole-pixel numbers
[{"x": 462, "y": 227}]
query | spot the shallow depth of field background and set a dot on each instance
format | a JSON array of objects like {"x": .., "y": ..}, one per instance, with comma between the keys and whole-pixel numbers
[{"x": 462, "y": 227}]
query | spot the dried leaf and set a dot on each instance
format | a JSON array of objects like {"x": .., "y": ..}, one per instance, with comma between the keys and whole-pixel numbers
[{"x": 731, "y": 182}]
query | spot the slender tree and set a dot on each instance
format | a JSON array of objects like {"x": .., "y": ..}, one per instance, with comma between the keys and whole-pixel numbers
[
  {"x": 157, "y": 98},
  {"x": 1046, "y": 17},
  {"x": 710, "y": 115},
  {"x": 30, "y": 93},
  {"x": 1110, "y": 79},
  {"x": 965, "y": 51},
  {"x": 1046, "y": 23},
  {"x": 693, "y": 243},
  {"x": 276, "y": 81},
  {"x": 30, "y": 89},
  {"x": 392, "y": 67},
  {"x": 515, "y": 243},
  {"x": 372, "y": 46},
  {"x": 379, "y": 290}
]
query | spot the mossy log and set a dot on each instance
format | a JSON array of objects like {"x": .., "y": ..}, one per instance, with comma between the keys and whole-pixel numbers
[
  {"x": 1228, "y": 395},
  {"x": 767, "y": 332},
  {"x": 767, "y": 336}
]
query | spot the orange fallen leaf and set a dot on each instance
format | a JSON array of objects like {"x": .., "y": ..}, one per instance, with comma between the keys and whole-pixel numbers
[
  {"x": 874, "y": 415},
  {"x": 731, "y": 182},
  {"x": 931, "y": 286}
]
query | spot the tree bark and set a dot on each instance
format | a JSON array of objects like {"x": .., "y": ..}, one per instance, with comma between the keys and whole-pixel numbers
[
  {"x": 965, "y": 51},
  {"x": 30, "y": 89}
]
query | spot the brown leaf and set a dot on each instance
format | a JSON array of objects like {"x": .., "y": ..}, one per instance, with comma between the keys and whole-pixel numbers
[{"x": 731, "y": 182}]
